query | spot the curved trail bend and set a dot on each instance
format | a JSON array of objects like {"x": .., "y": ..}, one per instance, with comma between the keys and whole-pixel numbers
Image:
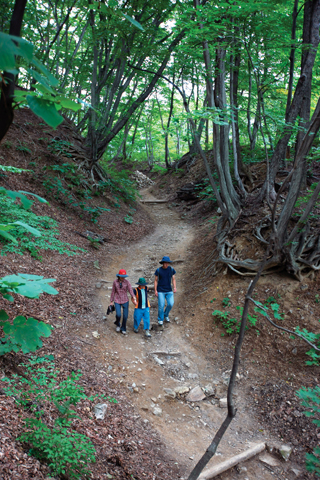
[{"x": 170, "y": 359}]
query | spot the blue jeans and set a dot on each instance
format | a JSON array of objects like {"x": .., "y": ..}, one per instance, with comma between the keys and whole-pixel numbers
[
  {"x": 162, "y": 297},
  {"x": 139, "y": 314},
  {"x": 125, "y": 309}
]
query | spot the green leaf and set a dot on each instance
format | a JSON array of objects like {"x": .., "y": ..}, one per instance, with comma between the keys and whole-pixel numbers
[
  {"x": 3, "y": 315},
  {"x": 7, "y": 236},
  {"x": 26, "y": 203},
  {"x": 25, "y": 47},
  {"x": 10, "y": 48},
  {"x": 31, "y": 286},
  {"x": 8, "y": 51},
  {"x": 46, "y": 110},
  {"x": 40, "y": 80},
  {"x": 50, "y": 78},
  {"x": 133, "y": 21},
  {"x": 21, "y": 94},
  {"x": 26, "y": 333},
  {"x": 67, "y": 103},
  {"x": 8, "y": 297},
  {"x": 41, "y": 200},
  {"x": 32, "y": 230},
  {"x": 28, "y": 276}
]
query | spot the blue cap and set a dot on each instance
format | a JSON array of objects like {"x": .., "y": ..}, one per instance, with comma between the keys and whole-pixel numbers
[{"x": 165, "y": 260}]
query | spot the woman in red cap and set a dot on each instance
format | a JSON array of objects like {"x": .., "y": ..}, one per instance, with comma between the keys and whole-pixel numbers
[{"x": 119, "y": 295}]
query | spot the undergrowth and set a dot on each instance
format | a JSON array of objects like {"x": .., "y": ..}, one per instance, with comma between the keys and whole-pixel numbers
[
  {"x": 10, "y": 211},
  {"x": 71, "y": 184},
  {"x": 120, "y": 185},
  {"x": 55, "y": 442}
]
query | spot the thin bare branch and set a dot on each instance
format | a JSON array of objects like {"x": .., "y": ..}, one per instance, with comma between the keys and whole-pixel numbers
[{"x": 282, "y": 328}]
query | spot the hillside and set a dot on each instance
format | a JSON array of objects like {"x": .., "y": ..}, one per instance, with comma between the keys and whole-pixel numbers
[{"x": 133, "y": 441}]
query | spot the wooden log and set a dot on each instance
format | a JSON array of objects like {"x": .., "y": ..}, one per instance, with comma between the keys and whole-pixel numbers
[{"x": 231, "y": 462}]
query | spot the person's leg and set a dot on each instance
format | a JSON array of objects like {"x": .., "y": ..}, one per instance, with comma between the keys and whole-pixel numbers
[
  {"x": 137, "y": 316},
  {"x": 125, "y": 307},
  {"x": 118, "y": 315},
  {"x": 170, "y": 302},
  {"x": 146, "y": 318},
  {"x": 161, "y": 300}
]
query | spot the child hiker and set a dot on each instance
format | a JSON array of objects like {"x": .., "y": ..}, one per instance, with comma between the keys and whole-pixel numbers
[{"x": 142, "y": 310}]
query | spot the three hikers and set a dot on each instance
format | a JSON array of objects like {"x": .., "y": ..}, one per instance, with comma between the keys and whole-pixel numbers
[{"x": 164, "y": 287}]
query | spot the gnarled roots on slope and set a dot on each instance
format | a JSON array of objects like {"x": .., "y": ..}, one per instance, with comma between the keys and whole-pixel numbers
[{"x": 300, "y": 257}]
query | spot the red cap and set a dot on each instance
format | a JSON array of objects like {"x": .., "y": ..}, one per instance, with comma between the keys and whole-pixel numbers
[{"x": 122, "y": 272}]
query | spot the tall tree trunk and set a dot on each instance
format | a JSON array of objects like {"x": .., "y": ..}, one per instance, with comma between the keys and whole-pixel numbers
[
  {"x": 305, "y": 108},
  {"x": 297, "y": 173},
  {"x": 220, "y": 140},
  {"x": 217, "y": 98},
  {"x": 8, "y": 79},
  {"x": 292, "y": 56},
  {"x": 92, "y": 134},
  {"x": 202, "y": 124},
  {"x": 234, "y": 81},
  {"x": 252, "y": 132},
  {"x": 312, "y": 10},
  {"x": 167, "y": 151}
]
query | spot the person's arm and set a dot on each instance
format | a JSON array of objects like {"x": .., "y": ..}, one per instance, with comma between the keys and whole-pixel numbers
[
  {"x": 174, "y": 283},
  {"x": 134, "y": 298},
  {"x": 131, "y": 293},
  {"x": 112, "y": 293},
  {"x": 155, "y": 285}
]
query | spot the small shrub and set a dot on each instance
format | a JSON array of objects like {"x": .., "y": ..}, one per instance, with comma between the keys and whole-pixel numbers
[
  {"x": 128, "y": 219},
  {"x": 226, "y": 302},
  {"x": 311, "y": 399},
  {"x": 232, "y": 325},
  {"x": 66, "y": 451},
  {"x": 313, "y": 338},
  {"x": 60, "y": 147},
  {"x": 229, "y": 324}
]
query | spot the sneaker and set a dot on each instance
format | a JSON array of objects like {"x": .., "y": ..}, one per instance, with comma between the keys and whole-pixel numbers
[
  {"x": 147, "y": 333},
  {"x": 160, "y": 323},
  {"x": 136, "y": 330},
  {"x": 167, "y": 319},
  {"x": 118, "y": 329},
  {"x": 123, "y": 332}
]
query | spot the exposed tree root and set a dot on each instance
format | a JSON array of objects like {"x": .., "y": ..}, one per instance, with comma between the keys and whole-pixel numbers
[{"x": 300, "y": 257}]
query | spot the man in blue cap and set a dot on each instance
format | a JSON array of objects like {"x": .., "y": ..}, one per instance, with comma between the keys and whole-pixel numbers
[{"x": 164, "y": 281}]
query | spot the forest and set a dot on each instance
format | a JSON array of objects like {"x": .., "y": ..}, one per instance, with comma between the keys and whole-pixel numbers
[{"x": 163, "y": 86}]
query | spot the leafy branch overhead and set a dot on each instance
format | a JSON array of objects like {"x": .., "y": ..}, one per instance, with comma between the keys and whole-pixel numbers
[
  {"x": 45, "y": 102},
  {"x": 23, "y": 334}
]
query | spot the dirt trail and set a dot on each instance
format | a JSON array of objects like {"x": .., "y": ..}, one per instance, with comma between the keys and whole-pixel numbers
[{"x": 169, "y": 359}]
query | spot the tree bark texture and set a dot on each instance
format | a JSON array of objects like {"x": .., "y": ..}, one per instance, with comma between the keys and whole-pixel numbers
[{"x": 8, "y": 79}]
